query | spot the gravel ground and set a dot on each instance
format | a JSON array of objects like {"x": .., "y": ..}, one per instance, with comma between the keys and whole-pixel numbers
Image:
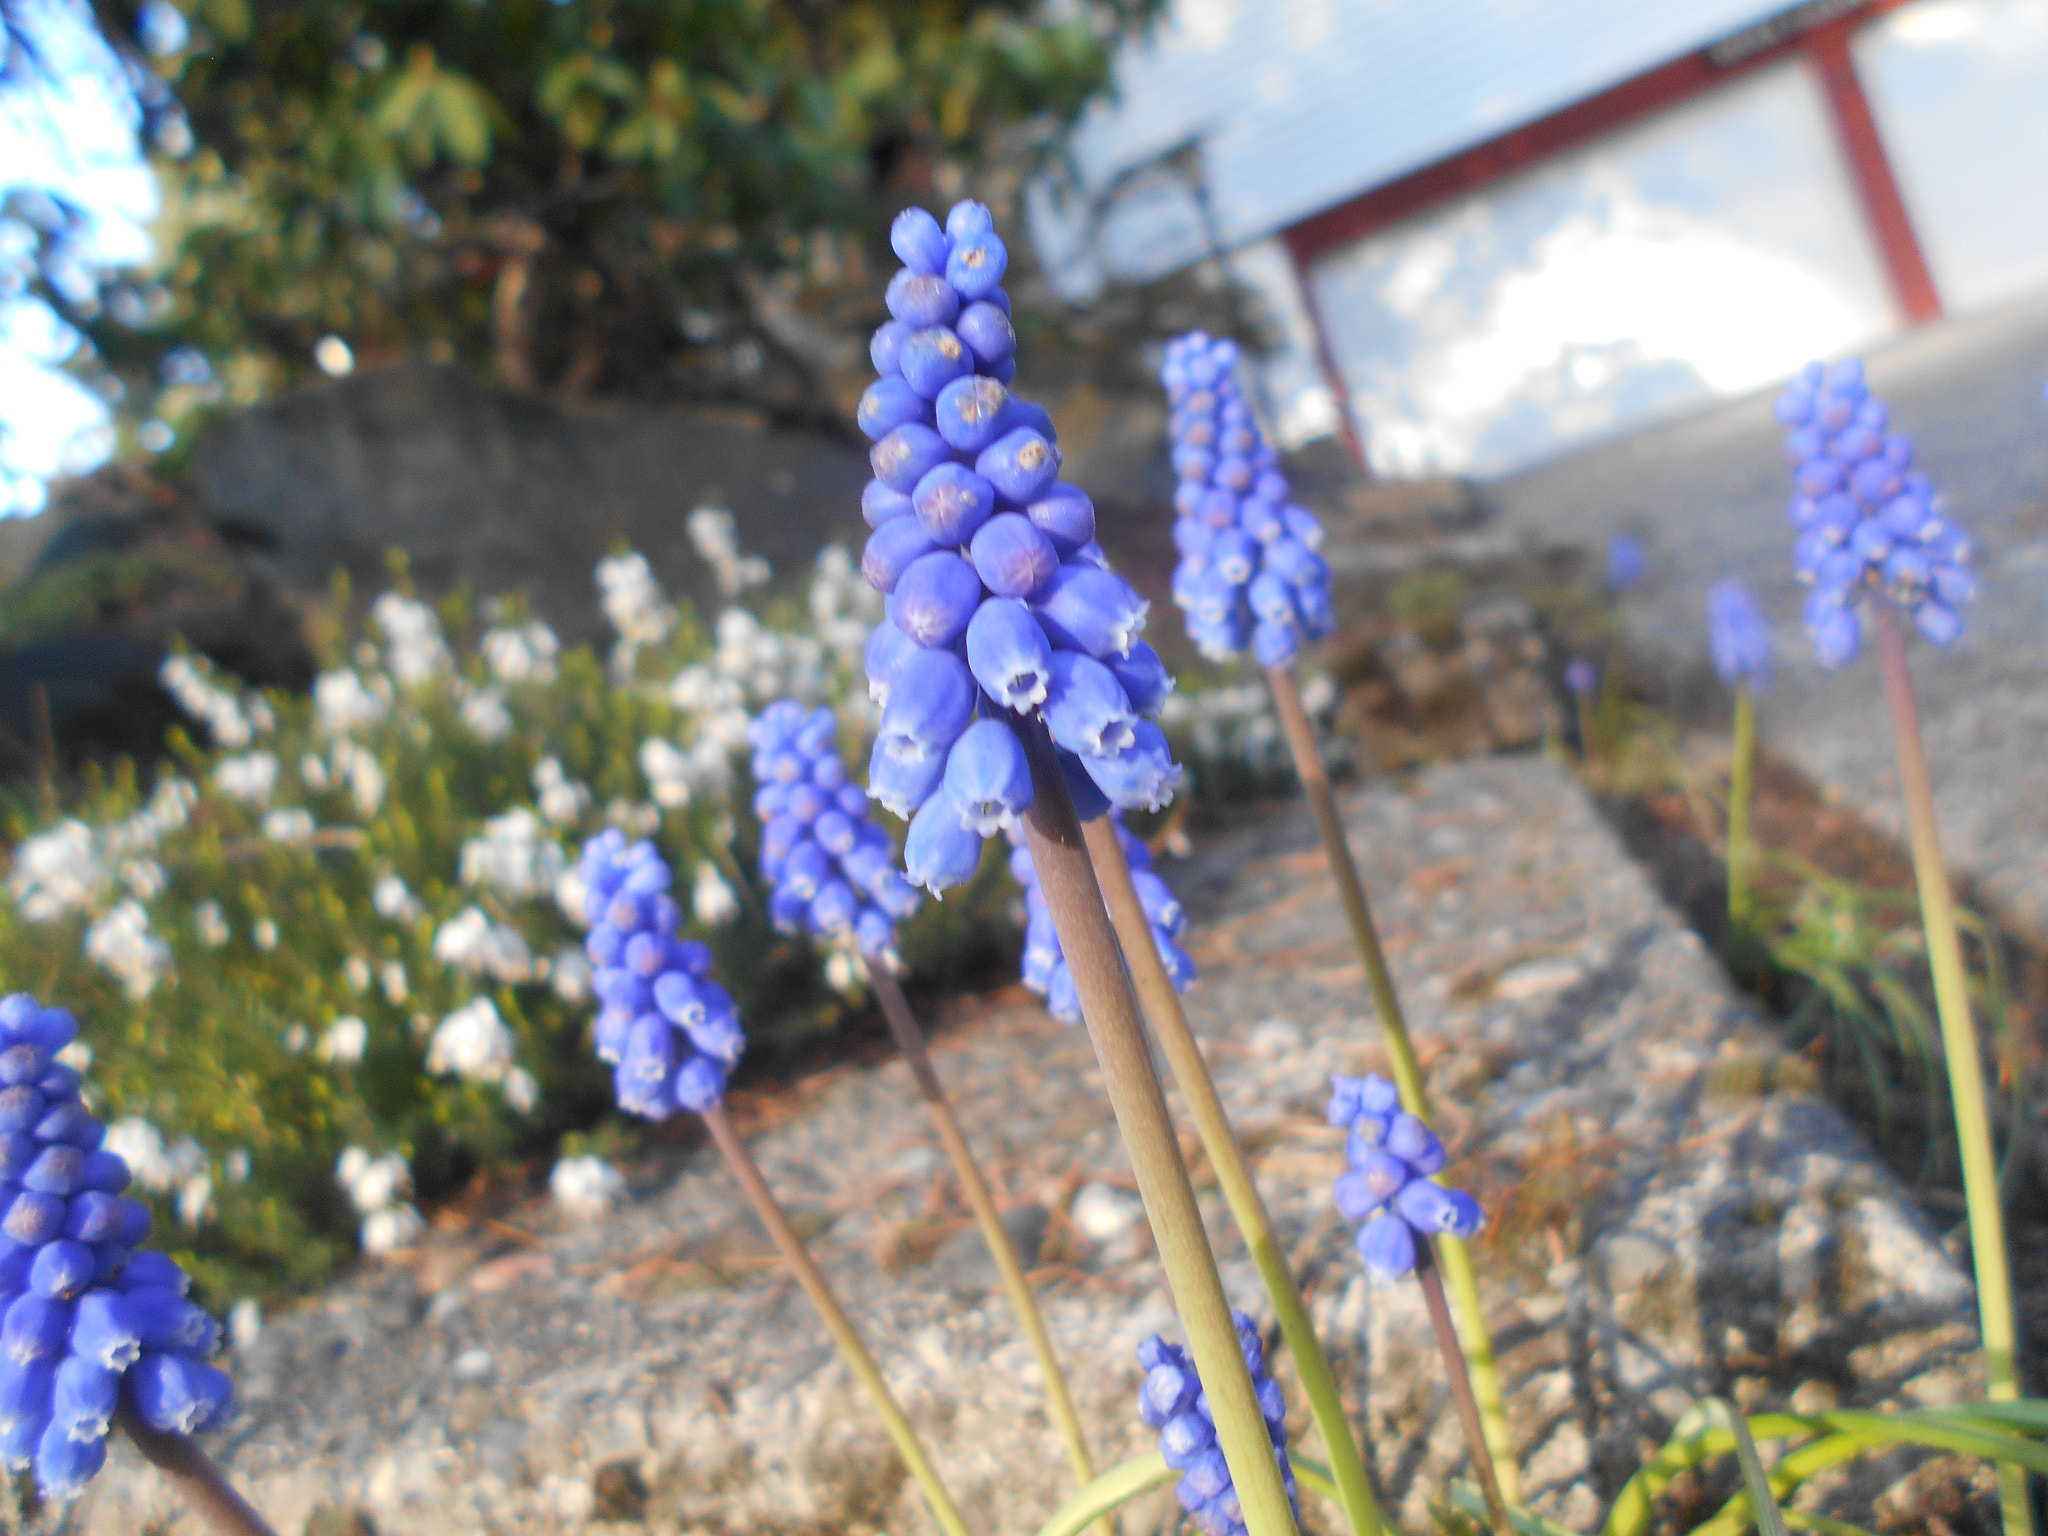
[
  {"x": 1708, "y": 495},
  {"x": 1672, "y": 1214}
]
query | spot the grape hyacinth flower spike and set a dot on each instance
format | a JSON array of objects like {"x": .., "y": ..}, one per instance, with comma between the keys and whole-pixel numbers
[
  {"x": 1871, "y": 526},
  {"x": 1014, "y": 686},
  {"x": 1045, "y": 966},
  {"x": 1244, "y": 546},
  {"x": 1739, "y": 641},
  {"x": 91, "y": 1325},
  {"x": 832, "y": 873},
  {"x": 1172, "y": 1401},
  {"x": 1627, "y": 563},
  {"x": 1388, "y": 1186},
  {"x": 672, "y": 1036}
]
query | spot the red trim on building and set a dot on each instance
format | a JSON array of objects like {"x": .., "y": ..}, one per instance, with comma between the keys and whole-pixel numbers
[{"x": 1825, "y": 47}]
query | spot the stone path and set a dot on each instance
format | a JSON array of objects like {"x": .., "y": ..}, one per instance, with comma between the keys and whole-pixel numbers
[
  {"x": 1708, "y": 494},
  {"x": 1671, "y": 1214}
]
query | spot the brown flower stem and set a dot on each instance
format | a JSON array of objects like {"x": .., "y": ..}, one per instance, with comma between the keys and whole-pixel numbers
[
  {"x": 202, "y": 1485},
  {"x": 836, "y": 1322},
  {"x": 1456, "y": 1258},
  {"x": 1067, "y": 880},
  {"x": 1191, "y": 1074},
  {"x": 1461, "y": 1384},
  {"x": 917, "y": 1056}
]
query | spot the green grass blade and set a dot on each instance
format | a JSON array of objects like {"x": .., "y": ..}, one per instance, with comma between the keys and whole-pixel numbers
[
  {"x": 1763, "y": 1500},
  {"x": 1116, "y": 1487},
  {"x": 1466, "y": 1498},
  {"x": 1826, "y": 1525}
]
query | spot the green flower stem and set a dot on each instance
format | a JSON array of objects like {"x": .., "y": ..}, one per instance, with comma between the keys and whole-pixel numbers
[
  {"x": 1170, "y": 1025},
  {"x": 202, "y": 1485},
  {"x": 1407, "y": 1071},
  {"x": 836, "y": 1322},
  {"x": 1740, "y": 776},
  {"x": 1959, "y": 1044},
  {"x": 1585, "y": 703},
  {"x": 1461, "y": 1386},
  {"x": 1067, "y": 880},
  {"x": 911, "y": 1042}
]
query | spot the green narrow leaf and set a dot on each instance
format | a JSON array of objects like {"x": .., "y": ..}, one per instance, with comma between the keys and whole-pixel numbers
[
  {"x": 1761, "y": 1497},
  {"x": 1114, "y": 1488}
]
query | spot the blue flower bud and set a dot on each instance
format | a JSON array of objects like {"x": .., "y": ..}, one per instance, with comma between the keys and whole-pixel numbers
[
  {"x": 62, "y": 1268},
  {"x": 887, "y": 648},
  {"x": 901, "y": 786},
  {"x": 919, "y": 243},
  {"x": 967, "y": 218},
  {"x": 1012, "y": 556},
  {"x": 988, "y": 777},
  {"x": 1141, "y": 775},
  {"x": 1274, "y": 645},
  {"x": 886, "y": 345},
  {"x": 941, "y": 852},
  {"x": 1019, "y": 464},
  {"x": 987, "y": 332},
  {"x": 806, "y": 869},
  {"x": 907, "y": 455},
  {"x": 699, "y": 1085},
  {"x": 34, "y": 1328},
  {"x": 1064, "y": 514},
  {"x": 977, "y": 264},
  {"x": 1062, "y": 996},
  {"x": 83, "y": 1398},
  {"x": 1162, "y": 908},
  {"x": 921, "y": 301},
  {"x": 1086, "y": 709},
  {"x": 1084, "y": 608},
  {"x": 889, "y": 403},
  {"x": 878, "y": 504},
  {"x": 104, "y": 1331},
  {"x": 1940, "y": 625},
  {"x": 1387, "y": 1244},
  {"x": 970, "y": 410},
  {"x": 179, "y": 1395},
  {"x": 832, "y": 910},
  {"x": 936, "y": 598},
  {"x": 928, "y": 708},
  {"x": 874, "y": 935},
  {"x": 953, "y": 502},
  {"x": 931, "y": 360}
]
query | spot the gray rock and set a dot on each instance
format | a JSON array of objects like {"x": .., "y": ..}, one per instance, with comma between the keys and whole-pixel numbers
[{"x": 964, "y": 1262}]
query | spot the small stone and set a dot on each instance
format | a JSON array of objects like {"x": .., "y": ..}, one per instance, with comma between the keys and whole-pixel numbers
[
  {"x": 472, "y": 1364},
  {"x": 1103, "y": 1211},
  {"x": 1536, "y": 978},
  {"x": 619, "y": 1492},
  {"x": 1276, "y": 1037},
  {"x": 329, "y": 1520},
  {"x": 1815, "y": 1397},
  {"x": 1632, "y": 1261}
]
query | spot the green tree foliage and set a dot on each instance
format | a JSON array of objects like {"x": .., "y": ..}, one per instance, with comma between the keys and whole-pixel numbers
[{"x": 654, "y": 196}]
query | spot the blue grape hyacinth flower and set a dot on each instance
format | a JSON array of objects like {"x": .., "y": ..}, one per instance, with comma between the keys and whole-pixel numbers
[
  {"x": 1737, "y": 636},
  {"x": 1388, "y": 1185},
  {"x": 669, "y": 1032},
  {"x": 1172, "y": 1402},
  {"x": 999, "y": 604},
  {"x": 1627, "y": 562},
  {"x": 1868, "y": 522},
  {"x": 831, "y": 871},
  {"x": 1248, "y": 573},
  {"x": 1581, "y": 676},
  {"x": 87, "y": 1323},
  {"x": 1045, "y": 964}
]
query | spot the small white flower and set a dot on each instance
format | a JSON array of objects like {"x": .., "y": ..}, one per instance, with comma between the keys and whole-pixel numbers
[
  {"x": 472, "y": 1043},
  {"x": 356, "y": 971},
  {"x": 313, "y": 772},
  {"x": 210, "y": 924},
  {"x": 143, "y": 877},
  {"x": 392, "y": 978},
  {"x": 484, "y": 712},
  {"x": 562, "y": 800},
  {"x": 714, "y": 533},
  {"x": 195, "y": 1199},
  {"x": 667, "y": 771},
  {"x": 635, "y": 818},
  {"x": 470, "y": 941},
  {"x": 372, "y": 1183},
  {"x": 345, "y": 1040},
  {"x": 711, "y": 899},
  {"x": 141, "y": 1146},
  {"x": 359, "y": 769},
  {"x": 344, "y": 704},
  {"x": 391, "y": 1229},
  {"x": 585, "y": 1187},
  {"x": 570, "y": 895},
  {"x": 295, "y": 1038},
  {"x": 413, "y": 648},
  {"x": 525, "y": 654},
  {"x": 77, "y": 1056},
  {"x": 288, "y": 825},
  {"x": 172, "y": 804},
  {"x": 265, "y": 934},
  {"x": 236, "y": 1165},
  {"x": 394, "y": 903},
  {"x": 634, "y": 605},
  {"x": 249, "y": 778},
  {"x": 570, "y": 974},
  {"x": 513, "y": 857},
  {"x": 122, "y": 943},
  {"x": 245, "y": 1324},
  {"x": 56, "y": 872},
  {"x": 189, "y": 680},
  {"x": 845, "y": 972},
  {"x": 522, "y": 1093}
]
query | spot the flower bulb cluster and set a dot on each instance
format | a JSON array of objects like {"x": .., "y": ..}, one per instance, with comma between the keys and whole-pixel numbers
[
  {"x": 669, "y": 1032},
  {"x": 998, "y": 604},
  {"x": 831, "y": 870},
  {"x": 1248, "y": 572},
  {"x": 1388, "y": 1185},
  {"x": 1045, "y": 964},
  {"x": 86, "y": 1322},
  {"x": 1738, "y": 639},
  {"x": 1172, "y": 1401},
  {"x": 1868, "y": 522}
]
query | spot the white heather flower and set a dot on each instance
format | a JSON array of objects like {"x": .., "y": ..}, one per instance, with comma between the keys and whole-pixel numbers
[
  {"x": 372, "y": 1183},
  {"x": 345, "y": 1040},
  {"x": 844, "y": 608},
  {"x": 711, "y": 757},
  {"x": 413, "y": 648},
  {"x": 634, "y": 818},
  {"x": 711, "y": 899},
  {"x": 236, "y": 1165},
  {"x": 288, "y": 825},
  {"x": 189, "y": 680},
  {"x": 667, "y": 771},
  {"x": 195, "y": 1199},
  {"x": 701, "y": 689},
  {"x": 249, "y": 778},
  {"x": 472, "y": 1043},
  {"x": 714, "y": 534},
  {"x": 141, "y": 1146},
  {"x": 122, "y": 943},
  {"x": 245, "y": 1324},
  {"x": 391, "y": 1229},
  {"x": 571, "y": 895},
  {"x": 143, "y": 877},
  {"x": 562, "y": 800},
  {"x": 356, "y": 971},
  {"x": 295, "y": 1038},
  {"x": 845, "y": 972},
  {"x": 635, "y": 607},
  {"x": 210, "y": 924},
  {"x": 470, "y": 941},
  {"x": 77, "y": 1056},
  {"x": 1319, "y": 694},
  {"x": 265, "y": 934},
  {"x": 569, "y": 974},
  {"x": 484, "y": 712},
  {"x": 57, "y": 871},
  {"x": 358, "y": 768},
  {"x": 392, "y": 979},
  {"x": 522, "y": 654},
  {"x": 313, "y": 772},
  {"x": 170, "y": 806},
  {"x": 585, "y": 1187},
  {"x": 513, "y": 857},
  {"x": 394, "y": 903},
  {"x": 344, "y": 704},
  {"x": 522, "y": 1093}
]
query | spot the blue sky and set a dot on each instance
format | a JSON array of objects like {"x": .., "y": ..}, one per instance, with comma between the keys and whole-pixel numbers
[{"x": 68, "y": 127}]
